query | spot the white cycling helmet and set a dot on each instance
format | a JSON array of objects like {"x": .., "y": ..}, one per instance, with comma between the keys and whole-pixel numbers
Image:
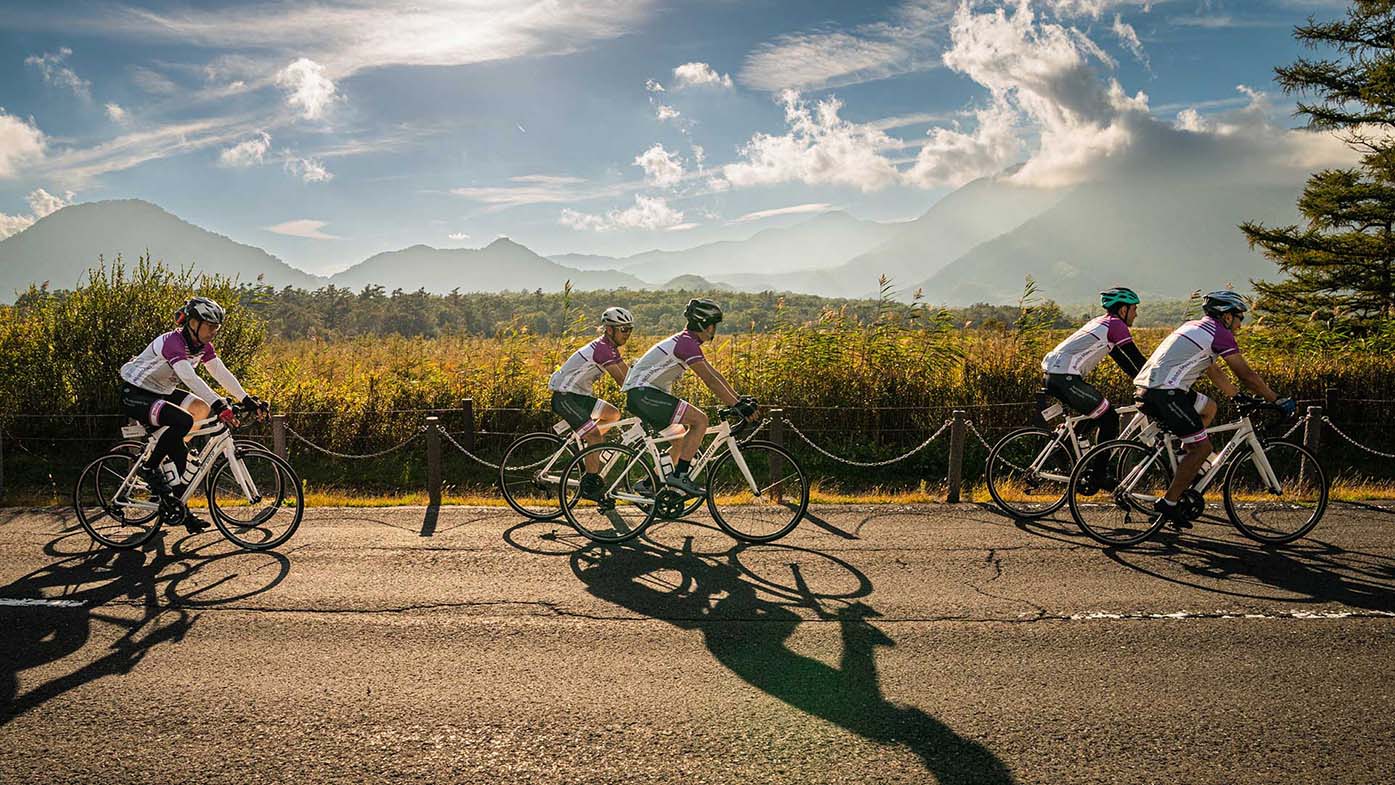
[{"x": 617, "y": 317}]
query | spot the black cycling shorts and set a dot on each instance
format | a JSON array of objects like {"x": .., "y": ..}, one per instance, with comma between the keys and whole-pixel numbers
[
  {"x": 656, "y": 408},
  {"x": 1177, "y": 411},
  {"x": 140, "y": 404},
  {"x": 1076, "y": 393},
  {"x": 575, "y": 408}
]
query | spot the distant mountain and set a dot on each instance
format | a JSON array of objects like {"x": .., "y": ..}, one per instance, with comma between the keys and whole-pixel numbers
[
  {"x": 980, "y": 210},
  {"x": 695, "y": 283},
  {"x": 586, "y": 261},
  {"x": 1164, "y": 237},
  {"x": 62, "y": 246},
  {"x": 503, "y": 265}
]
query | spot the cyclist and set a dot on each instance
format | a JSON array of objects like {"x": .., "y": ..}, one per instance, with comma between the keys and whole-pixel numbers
[
  {"x": 1066, "y": 366},
  {"x": 1165, "y": 387},
  {"x": 572, "y": 389},
  {"x": 648, "y": 389},
  {"x": 151, "y": 394}
]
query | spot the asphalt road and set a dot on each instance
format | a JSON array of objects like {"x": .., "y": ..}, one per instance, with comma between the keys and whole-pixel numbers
[{"x": 929, "y": 644}]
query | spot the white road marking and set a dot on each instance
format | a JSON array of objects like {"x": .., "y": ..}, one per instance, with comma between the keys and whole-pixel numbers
[
  {"x": 1294, "y": 614},
  {"x": 41, "y": 602}
]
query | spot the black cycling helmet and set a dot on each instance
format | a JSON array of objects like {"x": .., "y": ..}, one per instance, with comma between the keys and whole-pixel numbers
[
  {"x": 202, "y": 308},
  {"x": 1224, "y": 301},
  {"x": 702, "y": 312},
  {"x": 1118, "y": 295}
]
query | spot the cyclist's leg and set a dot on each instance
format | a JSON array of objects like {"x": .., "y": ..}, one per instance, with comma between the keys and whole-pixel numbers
[
  {"x": 1185, "y": 414},
  {"x": 577, "y": 410},
  {"x": 695, "y": 420}
]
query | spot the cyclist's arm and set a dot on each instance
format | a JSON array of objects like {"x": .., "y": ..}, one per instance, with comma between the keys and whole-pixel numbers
[
  {"x": 1249, "y": 378},
  {"x": 1222, "y": 382},
  {"x": 618, "y": 370},
  {"x": 715, "y": 382},
  {"x": 1128, "y": 357},
  {"x": 224, "y": 377},
  {"x": 186, "y": 373}
]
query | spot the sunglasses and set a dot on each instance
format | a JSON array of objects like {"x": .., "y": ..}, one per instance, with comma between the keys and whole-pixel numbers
[{"x": 624, "y": 329}]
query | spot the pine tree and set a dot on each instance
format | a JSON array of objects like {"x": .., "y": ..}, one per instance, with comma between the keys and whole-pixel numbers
[{"x": 1341, "y": 263}]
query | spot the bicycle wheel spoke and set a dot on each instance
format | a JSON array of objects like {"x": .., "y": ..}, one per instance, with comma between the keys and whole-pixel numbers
[
  {"x": 529, "y": 472},
  {"x": 259, "y": 509},
  {"x": 1027, "y": 473},
  {"x": 773, "y": 508},
  {"x": 116, "y": 520},
  {"x": 1118, "y": 515},
  {"x": 619, "y": 513},
  {"x": 1278, "y": 505}
]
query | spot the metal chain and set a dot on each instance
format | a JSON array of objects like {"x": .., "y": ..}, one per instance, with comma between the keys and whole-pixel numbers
[
  {"x": 474, "y": 457},
  {"x": 1301, "y": 422},
  {"x": 979, "y": 436},
  {"x": 753, "y": 433},
  {"x": 868, "y": 464},
  {"x": 1354, "y": 442},
  {"x": 349, "y": 456}
]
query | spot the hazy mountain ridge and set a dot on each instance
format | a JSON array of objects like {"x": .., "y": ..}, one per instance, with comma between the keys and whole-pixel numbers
[{"x": 503, "y": 265}]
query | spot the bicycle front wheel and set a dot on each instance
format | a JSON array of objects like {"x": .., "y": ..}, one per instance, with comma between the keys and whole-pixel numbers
[
  {"x": 1124, "y": 478},
  {"x": 1028, "y": 473},
  {"x": 256, "y": 501},
  {"x": 1281, "y": 505},
  {"x": 763, "y": 503},
  {"x": 115, "y": 506},
  {"x": 529, "y": 474},
  {"x": 621, "y": 512}
]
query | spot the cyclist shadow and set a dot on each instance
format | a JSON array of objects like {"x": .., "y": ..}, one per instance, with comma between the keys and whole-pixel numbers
[
  {"x": 748, "y": 634},
  {"x": 83, "y": 583}
]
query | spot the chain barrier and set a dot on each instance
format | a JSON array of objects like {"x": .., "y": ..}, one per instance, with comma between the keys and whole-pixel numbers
[
  {"x": 868, "y": 464},
  {"x": 1354, "y": 442},
  {"x": 974, "y": 430},
  {"x": 476, "y": 458},
  {"x": 349, "y": 456},
  {"x": 1299, "y": 424}
]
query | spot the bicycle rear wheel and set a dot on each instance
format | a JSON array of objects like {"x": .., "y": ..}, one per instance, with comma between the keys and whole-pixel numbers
[
  {"x": 1122, "y": 515},
  {"x": 529, "y": 474},
  {"x": 1276, "y": 515},
  {"x": 261, "y": 508},
  {"x": 623, "y": 513},
  {"x": 769, "y": 510},
  {"x": 115, "y": 506},
  {"x": 1028, "y": 473}
]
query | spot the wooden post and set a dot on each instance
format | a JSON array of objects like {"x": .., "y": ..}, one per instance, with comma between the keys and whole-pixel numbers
[
  {"x": 433, "y": 460},
  {"x": 777, "y": 465},
  {"x": 2, "y": 464},
  {"x": 1312, "y": 429},
  {"x": 467, "y": 437},
  {"x": 278, "y": 435},
  {"x": 956, "y": 455}
]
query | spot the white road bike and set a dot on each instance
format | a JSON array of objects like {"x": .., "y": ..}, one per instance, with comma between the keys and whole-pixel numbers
[
  {"x": 755, "y": 490},
  {"x": 1274, "y": 491},
  {"x": 254, "y": 497}
]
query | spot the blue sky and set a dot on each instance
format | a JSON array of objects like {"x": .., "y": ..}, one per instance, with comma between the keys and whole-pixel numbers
[{"x": 326, "y": 132}]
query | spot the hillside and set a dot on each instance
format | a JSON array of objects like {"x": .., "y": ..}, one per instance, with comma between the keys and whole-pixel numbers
[{"x": 503, "y": 265}]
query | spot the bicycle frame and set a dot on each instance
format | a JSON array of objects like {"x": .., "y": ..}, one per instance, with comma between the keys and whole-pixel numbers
[
  {"x": 1067, "y": 434},
  {"x": 1166, "y": 443},
  {"x": 724, "y": 440},
  {"x": 573, "y": 438},
  {"x": 220, "y": 442}
]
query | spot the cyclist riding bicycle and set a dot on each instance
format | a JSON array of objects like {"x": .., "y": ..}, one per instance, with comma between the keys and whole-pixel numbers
[
  {"x": 1166, "y": 394},
  {"x": 1066, "y": 366},
  {"x": 151, "y": 394},
  {"x": 648, "y": 389},
  {"x": 573, "y": 384}
]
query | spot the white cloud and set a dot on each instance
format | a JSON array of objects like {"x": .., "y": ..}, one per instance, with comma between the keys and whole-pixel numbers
[
  {"x": 540, "y": 189},
  {"x": 682, "y": 227},
  {"x": 666, "y": 112},
  {"x": 41, "y": 203},
  {"x": 302, "y": 227},
  {"x": 307, "y": 88},
  {"x": 648, "y": 212},
  {"x": 797, "y": 209},
  {"x": 1128, "y": 37},
  {"x": 699, "y": 75},
  {"x": 21, "y": 143},
  {"x": 251, "y": 152},
  {"x": 1094, "y": 8},
  {"x": 904, "y": 43},
  {"x": 820, "y": 149},
  {"x": 153, "y": 82},
  {"x": 661, "y": 168},
  {"x": 56, "y": 72},
  {"x": 115, "y": 113},
  {"x": 954, "y": 157},
  {"x": 653, "y": 86},
  {"x": 76, "y": 165},
  {"x": 457, "y": 236},
  {"x": 309, "y": 170}
]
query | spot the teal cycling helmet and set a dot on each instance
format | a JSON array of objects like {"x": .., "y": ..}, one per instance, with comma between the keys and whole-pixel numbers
[
  {"x": 1119, "y": 295},
  {"x": 1224, "y": 301}
]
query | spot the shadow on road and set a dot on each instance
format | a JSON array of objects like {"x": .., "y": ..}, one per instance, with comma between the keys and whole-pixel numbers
[
  {"x": 746, "y": 610},
  {"x": 162, "y": 585}
]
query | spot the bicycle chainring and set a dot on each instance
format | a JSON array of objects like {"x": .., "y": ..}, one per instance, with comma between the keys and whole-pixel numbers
[
  {"x": 1193, "y": 504},
  {"x": 669, "y": 504}
]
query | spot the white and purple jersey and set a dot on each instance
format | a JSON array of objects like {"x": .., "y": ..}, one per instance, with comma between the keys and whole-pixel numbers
[
  {"x": 665, "y": 361},
  {"x": 153, "y": 369},
  {"x": 580, "y": 372},
  {"x": 1083, "y": 350},
  {"x": 1185, "y": 355}
]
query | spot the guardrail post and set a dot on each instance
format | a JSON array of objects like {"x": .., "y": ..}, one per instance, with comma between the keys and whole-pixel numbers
[
  {"x": 956, "y": 455},
  {"x": 2, "y": 464},
  {"x": 777, "y": 437},
  {"x": 1312, "y": 429},
  {"x": 433, "y": 460},
  {"x": 467, "y": 437},
  {"x": 278, "y": 435}
]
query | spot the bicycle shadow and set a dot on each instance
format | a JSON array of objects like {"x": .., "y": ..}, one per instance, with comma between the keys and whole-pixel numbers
[
  {"x": 746, "y": 625},
  {"x": 88, "y": 579}
]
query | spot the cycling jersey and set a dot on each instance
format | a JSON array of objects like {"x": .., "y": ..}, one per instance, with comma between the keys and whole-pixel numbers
[
  {"x": 665, "y": 361},
  {"x": 1083, "y": 350},
  {"x": 170, "y": 360},
  {"x": 1185, "y": 355},
  {"x": 581, "y": 370}
]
